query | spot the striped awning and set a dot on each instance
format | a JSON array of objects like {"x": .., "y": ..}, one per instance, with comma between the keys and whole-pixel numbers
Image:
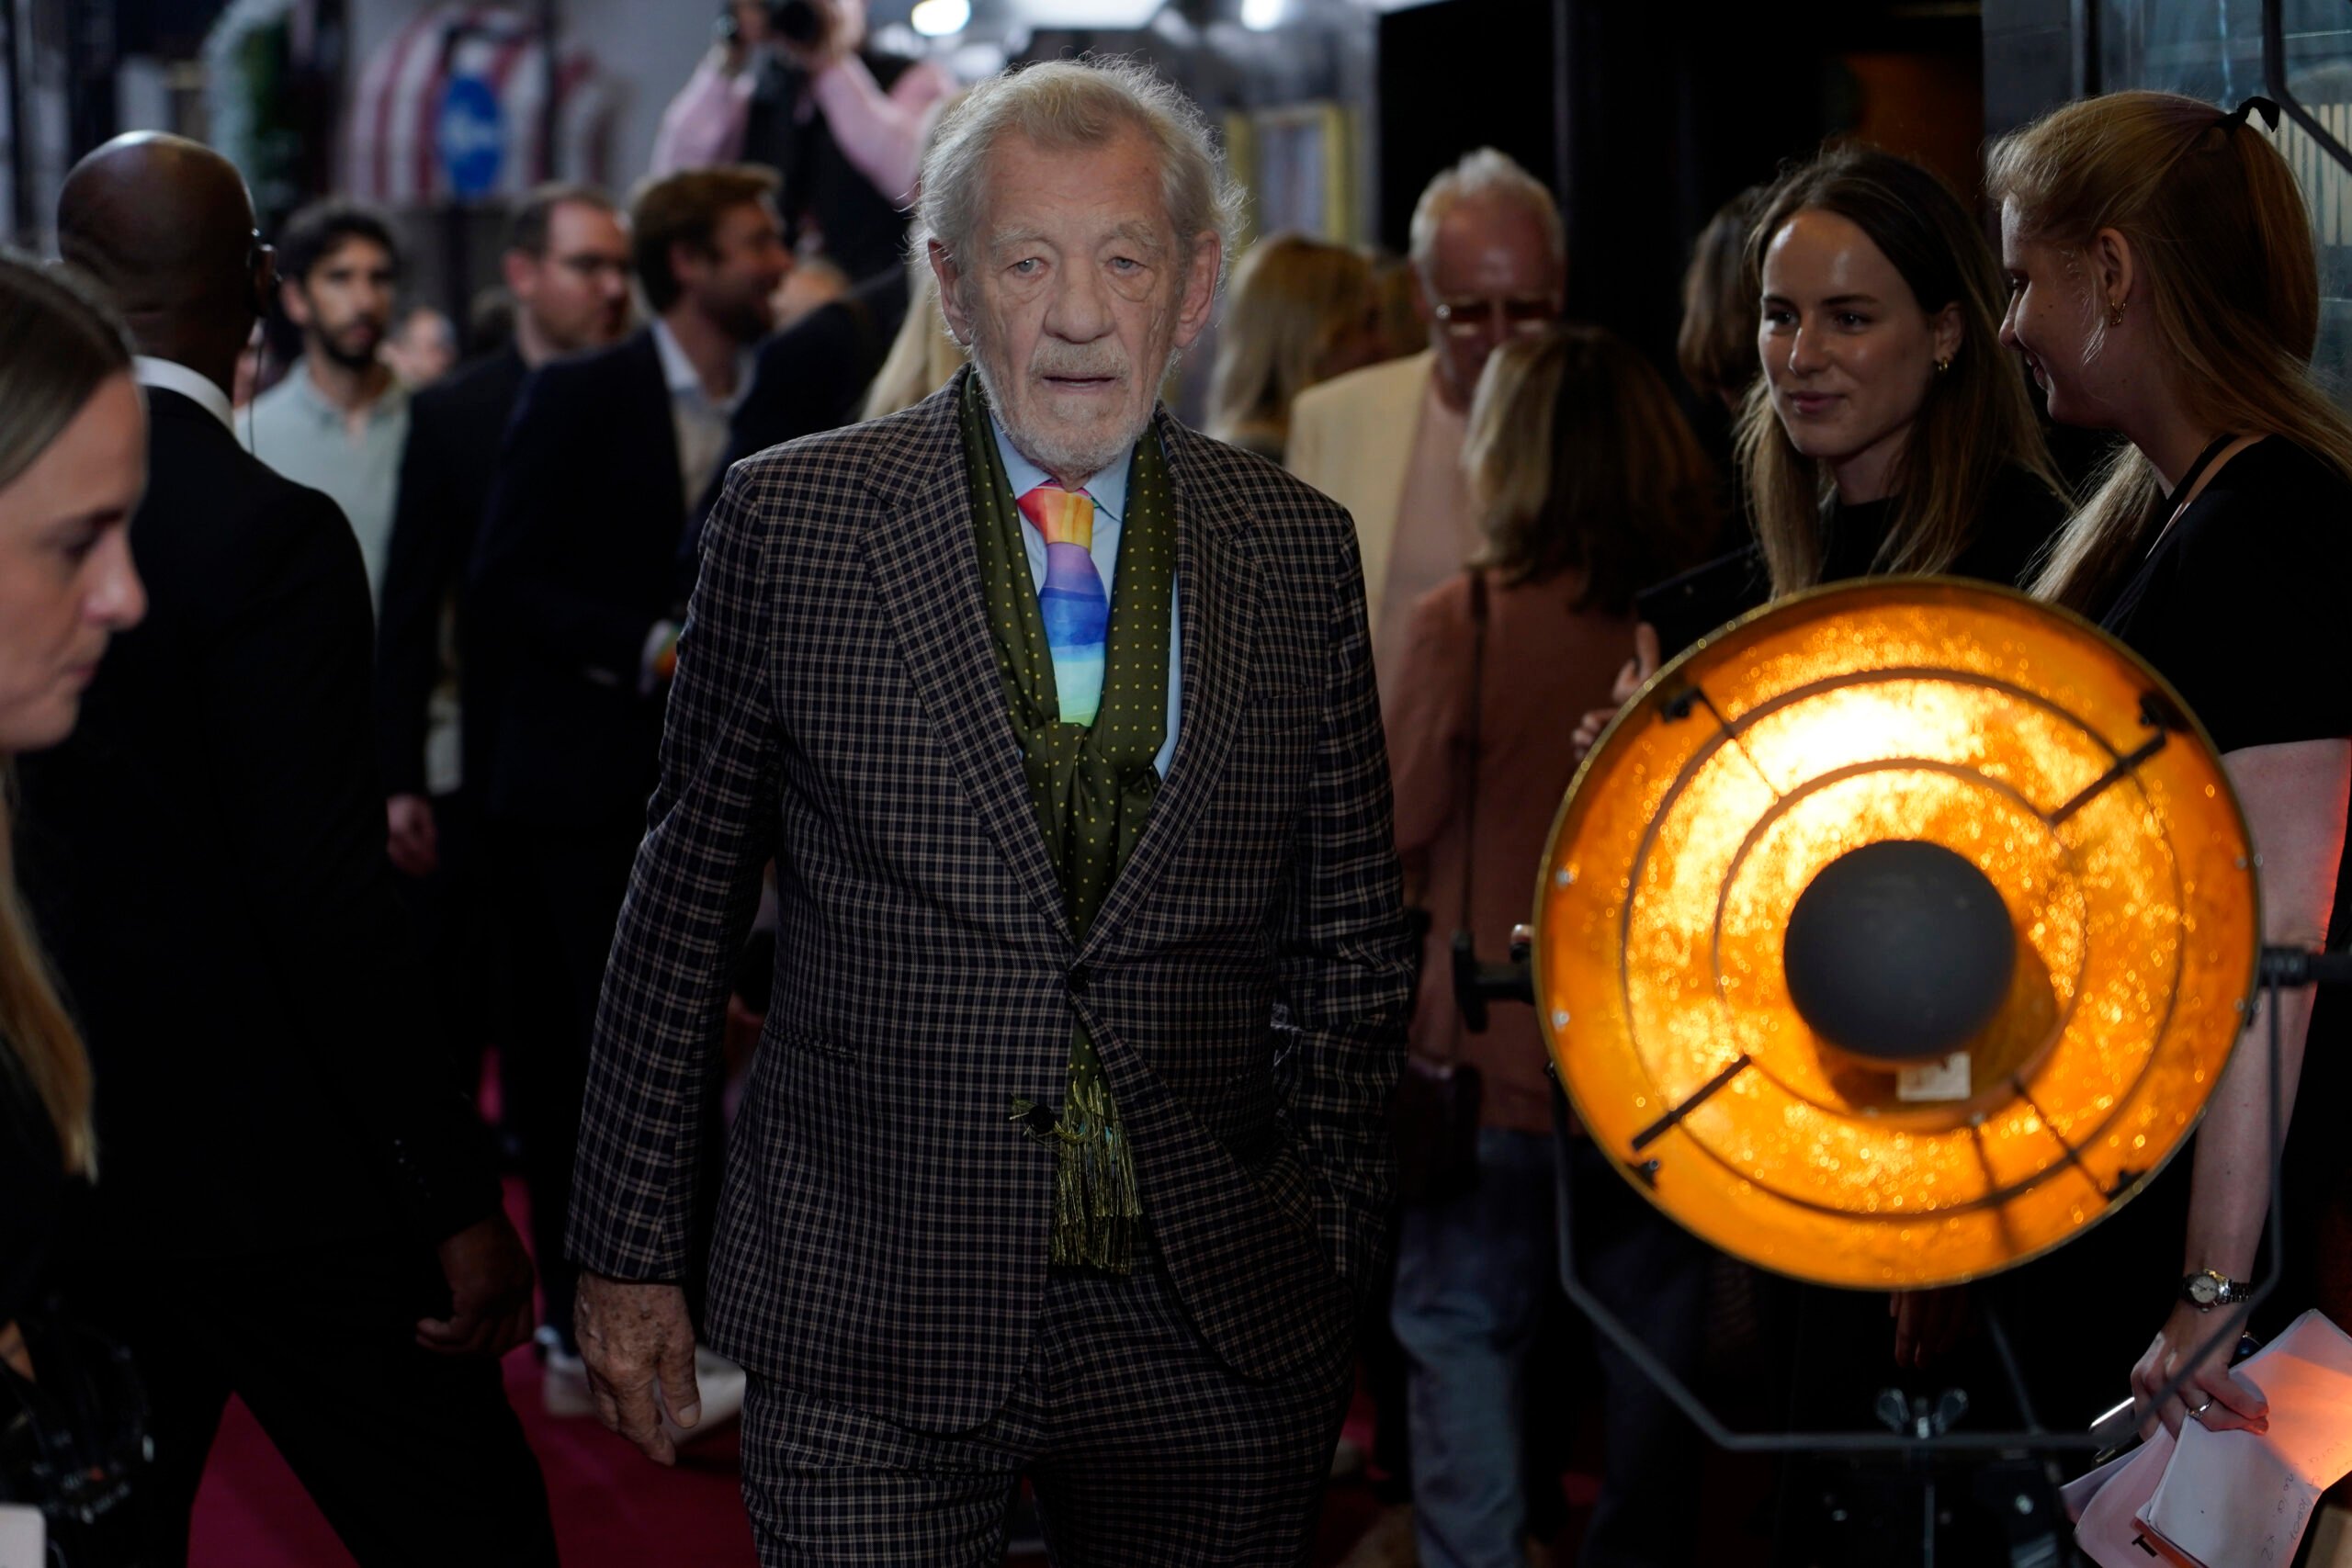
[{"x": 450, "y": 108}]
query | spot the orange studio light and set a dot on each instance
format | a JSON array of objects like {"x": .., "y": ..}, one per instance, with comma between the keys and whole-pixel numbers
[{"x": 1896, "y": 933}]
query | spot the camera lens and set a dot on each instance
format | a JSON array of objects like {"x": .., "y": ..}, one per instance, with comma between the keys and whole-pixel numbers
[{"x": 796, "y": 21}]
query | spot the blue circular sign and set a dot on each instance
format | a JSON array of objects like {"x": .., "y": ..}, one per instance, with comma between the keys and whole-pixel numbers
[{"x": 471, "y": 137}]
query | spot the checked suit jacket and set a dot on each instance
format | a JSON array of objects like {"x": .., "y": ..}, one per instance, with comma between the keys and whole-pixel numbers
[{"x": 881, "y": 1233}]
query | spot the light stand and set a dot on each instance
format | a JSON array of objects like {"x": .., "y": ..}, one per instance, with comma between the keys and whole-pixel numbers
[{"x": 1922, "y": 1434}]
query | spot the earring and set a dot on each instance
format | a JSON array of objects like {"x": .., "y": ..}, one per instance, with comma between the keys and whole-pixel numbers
[
  {"x": 1942, "y": 366},
  {"x": 2115, "y": 313}
]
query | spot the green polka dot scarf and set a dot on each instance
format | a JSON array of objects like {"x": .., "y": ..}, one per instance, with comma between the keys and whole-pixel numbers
[{"x": 1092, "y": 786}]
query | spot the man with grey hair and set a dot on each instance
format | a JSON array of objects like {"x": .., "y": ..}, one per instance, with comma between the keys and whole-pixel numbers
[
  {"x": 1064, "y": 1153},
  {"x": 1489, "y": 261}
]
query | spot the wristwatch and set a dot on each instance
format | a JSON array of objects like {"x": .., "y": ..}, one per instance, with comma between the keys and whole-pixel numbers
[{"x": 2210, "y": 1288}]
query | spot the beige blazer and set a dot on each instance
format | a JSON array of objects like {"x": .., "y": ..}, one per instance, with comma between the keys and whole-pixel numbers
[{"x": 1351, "y": 438}]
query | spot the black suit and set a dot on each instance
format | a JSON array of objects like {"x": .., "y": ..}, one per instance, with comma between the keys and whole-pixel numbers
[
  {"x": 579, "y": 558},
  {"x": 813, "y": 376},
  {"x": 455, "y": 428},
  {"x": 282, "y": 1138}
]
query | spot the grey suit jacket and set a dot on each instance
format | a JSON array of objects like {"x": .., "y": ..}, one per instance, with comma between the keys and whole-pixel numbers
[{"x": 881, "y": 1231}]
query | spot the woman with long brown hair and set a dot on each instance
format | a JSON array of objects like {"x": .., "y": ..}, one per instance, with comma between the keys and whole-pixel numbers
[
  {"x": 72, "y": 463},
  {"x": 1887, "y": 433},
  {"x": 2163, "y": 284}
]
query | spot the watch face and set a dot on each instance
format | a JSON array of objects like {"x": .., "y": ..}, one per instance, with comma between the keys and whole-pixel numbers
[{"x": 2204, "y": 1290}]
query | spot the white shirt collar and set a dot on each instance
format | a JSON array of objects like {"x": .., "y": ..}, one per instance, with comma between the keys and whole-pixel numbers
[
  {"x": 171, "y": 376},
  {"x": 678, "y": 372}
]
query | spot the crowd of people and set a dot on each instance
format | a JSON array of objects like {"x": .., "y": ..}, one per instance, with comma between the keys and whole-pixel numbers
[{"x": 941, "y": 852}]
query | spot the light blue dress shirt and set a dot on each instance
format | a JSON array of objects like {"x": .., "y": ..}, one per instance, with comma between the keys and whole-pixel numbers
[{"x": 1109, "y": 490}]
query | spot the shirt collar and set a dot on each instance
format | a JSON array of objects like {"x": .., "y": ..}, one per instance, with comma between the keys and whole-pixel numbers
[
  {"x": 1109, "y": 487},
  {"x": 170, "y": 376},
  {"x": 329, "y": 413},
  {"x": 678, "y": 372}
]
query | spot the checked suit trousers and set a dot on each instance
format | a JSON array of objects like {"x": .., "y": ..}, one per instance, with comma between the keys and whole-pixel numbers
[{"x": 1141, "y": 1448}]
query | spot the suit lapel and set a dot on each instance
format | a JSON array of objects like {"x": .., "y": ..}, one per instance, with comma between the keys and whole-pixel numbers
[
  {"x": 927, "y": 576},
  {"x": 1216, "y": 593}
]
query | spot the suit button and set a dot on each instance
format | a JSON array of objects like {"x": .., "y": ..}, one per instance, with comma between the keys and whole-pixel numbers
[{"x": 1078, "y": 978}]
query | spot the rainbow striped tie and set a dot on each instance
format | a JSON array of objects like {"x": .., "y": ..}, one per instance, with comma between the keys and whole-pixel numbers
[{"x": 1076, "y": 611}]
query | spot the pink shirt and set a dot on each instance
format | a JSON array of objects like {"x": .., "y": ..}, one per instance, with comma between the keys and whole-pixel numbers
[{"x": 881, "y": 133}]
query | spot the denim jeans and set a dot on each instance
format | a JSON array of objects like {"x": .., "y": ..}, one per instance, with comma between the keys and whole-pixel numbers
[{"x": 1473, "y": 1278}]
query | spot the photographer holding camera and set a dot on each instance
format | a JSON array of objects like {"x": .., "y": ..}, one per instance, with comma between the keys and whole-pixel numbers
[{"x": 790, "y": 83}]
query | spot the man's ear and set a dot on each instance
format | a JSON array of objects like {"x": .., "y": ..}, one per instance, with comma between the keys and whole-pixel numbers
[
  {"x": 516, "y": 269},
  {"x": 950, "y": 279},
  {"x": 687, "y": 263},
  {"x": 1200, "y": 287},
  {"x": 291, "y": 300}
]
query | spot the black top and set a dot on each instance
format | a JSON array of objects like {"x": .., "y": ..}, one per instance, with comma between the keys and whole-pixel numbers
[
  {"x": 863, "y": 230},
  {"x": 2020, "y": 517},
  {"x": 32, "y": 1174},
  {"x": 454, "y": 426},
  {"x": 205, "y": 858},
  {"x": 2240, "y": 604},
  {"x": 577, "y": 559}
]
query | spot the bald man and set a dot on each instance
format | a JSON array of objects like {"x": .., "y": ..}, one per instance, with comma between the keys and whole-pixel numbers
[{"x": 299, "y": 1207}]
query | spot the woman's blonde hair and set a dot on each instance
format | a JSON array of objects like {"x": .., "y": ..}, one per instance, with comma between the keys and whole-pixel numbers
[
  {"x": 1289, "y": 300},
  {"x": 1579, "y": 459},
  {"x": 2220, "y": 232},
  {"x": 58, "y": 346},
  {"x": 923, "y": 357},
  {"x": 1977, "y": 421}
]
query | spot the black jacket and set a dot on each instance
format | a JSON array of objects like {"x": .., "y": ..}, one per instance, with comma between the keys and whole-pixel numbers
[
  {"x": 579, "y": 555},
  {"x": 454, "y": 427},
  {"x": 205, "y": 858}
]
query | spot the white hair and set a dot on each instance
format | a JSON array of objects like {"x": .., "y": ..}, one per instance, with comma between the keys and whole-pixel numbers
[
  {"x": 1485, "y": 175},
  {"x": 1079, "y": 103}
]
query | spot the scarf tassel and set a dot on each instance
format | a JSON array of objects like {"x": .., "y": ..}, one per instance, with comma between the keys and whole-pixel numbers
[{"x": 1097, "y": 1211}]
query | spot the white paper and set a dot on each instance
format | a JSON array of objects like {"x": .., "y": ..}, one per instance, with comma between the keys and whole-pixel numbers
[
  {"x": 2234, "y": 1499},
  {"x": 2107, "y": 1528},
  {"x": 2231, "y": 1497},
  {"x": 24, "y": 1539}
]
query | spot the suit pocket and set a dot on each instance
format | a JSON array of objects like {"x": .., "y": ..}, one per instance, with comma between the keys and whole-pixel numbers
[{"x": 815, "y": 1045}]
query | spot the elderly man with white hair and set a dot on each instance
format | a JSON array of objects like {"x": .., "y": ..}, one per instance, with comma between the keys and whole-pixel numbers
[
  {"x": 1064, "y": 1154},
  {"x": 1489, "y": 261}
]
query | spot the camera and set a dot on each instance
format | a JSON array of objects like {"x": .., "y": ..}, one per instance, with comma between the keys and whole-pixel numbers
[{"x": 801, "y": 23}]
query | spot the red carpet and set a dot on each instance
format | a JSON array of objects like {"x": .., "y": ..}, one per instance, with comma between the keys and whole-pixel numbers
[{"x": 616, "y": 1509}]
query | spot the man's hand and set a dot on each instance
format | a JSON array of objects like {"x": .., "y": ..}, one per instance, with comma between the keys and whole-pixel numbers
[
  {"x": 639, "y": 1348},
  {"x": 2215, "y": 1395},
  {"x": 412, "y": 840},
  {"x": 1629, "y": 684},
  {"x": 13, "y": 1354},
  {"x": 490, "y": 1293}
]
